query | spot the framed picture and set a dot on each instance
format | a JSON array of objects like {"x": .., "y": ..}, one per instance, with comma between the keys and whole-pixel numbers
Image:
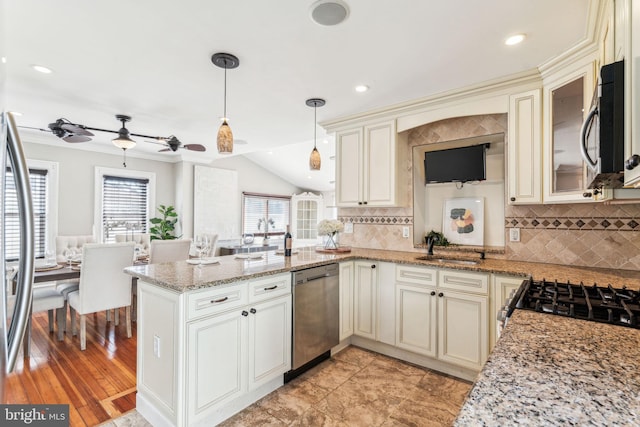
[{"x": 463, "y": 221}]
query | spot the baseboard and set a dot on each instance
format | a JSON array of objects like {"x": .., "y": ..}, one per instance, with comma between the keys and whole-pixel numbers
[{"x": 151, "y": 413}]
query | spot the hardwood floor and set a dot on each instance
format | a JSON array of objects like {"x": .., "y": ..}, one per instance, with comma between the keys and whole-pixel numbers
[{"x": 99, "y": 383}]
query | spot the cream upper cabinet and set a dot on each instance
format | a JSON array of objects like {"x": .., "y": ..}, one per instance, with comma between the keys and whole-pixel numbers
[
  {"x": 567, "y": 99},
  {"x": 367, "y": 166},
  {"x": 524, "y": 148},
  {"x": 632, "y": 101}
]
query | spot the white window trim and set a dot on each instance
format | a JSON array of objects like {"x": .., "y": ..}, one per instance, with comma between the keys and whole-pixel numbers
[
  {"x": 100, "y": 172},
  {"x": 52, "y": 200}
]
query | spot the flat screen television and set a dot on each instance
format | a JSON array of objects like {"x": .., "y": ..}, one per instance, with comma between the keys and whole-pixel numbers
[{"x": 461, "y": 164}]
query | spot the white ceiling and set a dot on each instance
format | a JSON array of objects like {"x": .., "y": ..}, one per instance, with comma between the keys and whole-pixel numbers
[{"x": 151, "y": 59}]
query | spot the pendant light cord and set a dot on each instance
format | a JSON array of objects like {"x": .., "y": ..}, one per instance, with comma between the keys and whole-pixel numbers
[
  {"x": 225, "y": 91},
  {"x": 315, "y": 125}
]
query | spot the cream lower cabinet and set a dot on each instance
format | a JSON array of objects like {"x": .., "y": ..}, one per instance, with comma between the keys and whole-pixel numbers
[
  {"x": 501, "y": 288},
  {"x": 204, "y": 355},
  {"x": 443, "y": 314},
  {"x": 365, "y": 299},
  {"x": 346, "y": 277}
]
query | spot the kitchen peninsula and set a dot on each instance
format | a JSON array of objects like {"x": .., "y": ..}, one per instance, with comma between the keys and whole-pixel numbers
[{"x": 214, "y": 338}]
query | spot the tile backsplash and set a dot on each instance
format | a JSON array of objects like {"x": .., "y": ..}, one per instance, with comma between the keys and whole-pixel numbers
[{"x": 585, "y": 234}]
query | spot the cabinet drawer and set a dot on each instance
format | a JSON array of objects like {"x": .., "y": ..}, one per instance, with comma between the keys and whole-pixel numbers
[
  {"x": 416, "y": 275},
  {"x": 463, "y": 281},
  {"x": 269, "y": 287},
  {"x": 212, "y": 301}
]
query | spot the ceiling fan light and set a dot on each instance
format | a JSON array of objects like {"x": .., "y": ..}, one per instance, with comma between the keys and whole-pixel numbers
[
  {"x": 314, "y": 160},
  {"x": 225, "y": 139},
  {"x": 123, "y": 141}
]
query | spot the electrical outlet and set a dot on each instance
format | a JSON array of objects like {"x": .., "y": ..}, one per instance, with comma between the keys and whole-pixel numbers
[
  {"x": 405, "y": 232},
  {"x": 156, "y": 346},
  {"x": 514, "y": 234},
  {"x": 348, "y": 227}
]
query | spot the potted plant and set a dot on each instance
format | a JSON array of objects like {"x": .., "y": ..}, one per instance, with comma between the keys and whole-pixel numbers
[{"x": 164, "y": 228}]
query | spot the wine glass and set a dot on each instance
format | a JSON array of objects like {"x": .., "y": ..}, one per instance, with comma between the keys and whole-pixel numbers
[
  {"x": 69, "y": 254},
  {"x": 201, "y": 243}
]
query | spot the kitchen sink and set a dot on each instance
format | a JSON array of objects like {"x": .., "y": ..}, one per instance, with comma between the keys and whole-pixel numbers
[{"x": 448, "y": 260}]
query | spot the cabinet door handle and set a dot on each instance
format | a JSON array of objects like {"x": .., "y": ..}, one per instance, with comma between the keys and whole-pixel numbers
[
  {"x": 364, "y": 203},
  {"x": 271, "y": 288},
  {"x": 373, "y": 266},
  {"x": 433, "y": 293},
  {"x": 359, "y": 203},
  {"x": 440, "y": 294},
  {"x": 513, "y": 199},
  {"x": 253, "y": 311},
  {"x": 632, "y": 162},
  {"x": 244, "y": 313},
  {"x": 215, "y": 301}
]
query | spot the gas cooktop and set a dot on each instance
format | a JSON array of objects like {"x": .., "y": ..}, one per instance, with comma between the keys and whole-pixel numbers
[{"x": 619, "y": 306}]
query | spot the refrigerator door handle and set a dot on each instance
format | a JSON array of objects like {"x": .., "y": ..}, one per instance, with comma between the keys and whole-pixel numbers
[{"x": 26, "y": 264}]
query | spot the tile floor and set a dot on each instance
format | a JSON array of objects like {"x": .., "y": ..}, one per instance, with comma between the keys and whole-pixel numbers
[{"x": 354, "y": 388}]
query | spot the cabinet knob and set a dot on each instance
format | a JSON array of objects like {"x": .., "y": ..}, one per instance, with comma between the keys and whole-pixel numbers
[
  {"x": 253, "y": 311},
  {"x": 359, "y": 203},
  {"x": 244, "y": 313},
  {"x": 632, "y": 162},
  {"x": 587, "y": 194},
  {"x": 433, "y": 293},
  {"x": 364, "y": 203},
  {"x": 440, "y": 294},
  {"x": 513, "y": 199},
  {"x": 373, "y": 266}
]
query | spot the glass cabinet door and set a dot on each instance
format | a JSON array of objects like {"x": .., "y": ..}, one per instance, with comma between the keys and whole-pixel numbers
[
  {"x": 567, "y": 99},
  {"x": 306, "y": 213}
]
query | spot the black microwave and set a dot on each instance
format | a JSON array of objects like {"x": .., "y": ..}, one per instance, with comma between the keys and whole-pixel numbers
[{"x": 602, "y": 134}]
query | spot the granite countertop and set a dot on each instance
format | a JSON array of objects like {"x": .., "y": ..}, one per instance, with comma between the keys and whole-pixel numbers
[
  {"x": 181, "y": 276},
  {"x": 553, "y": 370}
]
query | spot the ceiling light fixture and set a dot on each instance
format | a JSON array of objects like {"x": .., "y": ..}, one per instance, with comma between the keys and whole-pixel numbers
[
  {"x": 314, "y": 159},
  {"x": 42, "y": 69},
  {"x": 514, "y": 39},
  {"x": 123, "y": 141},
  {"x": 329, "y": 12},
  {"x": 225, "y": 136},
  {"x": 362, "y": 88}
]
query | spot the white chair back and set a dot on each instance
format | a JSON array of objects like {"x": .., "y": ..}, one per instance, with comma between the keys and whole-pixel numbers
[
  {"x": 142, "y": 239},
  {"x": 75, "y": 242},
  {"x": 169, "y": 250},
  {"x": 103, "y": 284}
]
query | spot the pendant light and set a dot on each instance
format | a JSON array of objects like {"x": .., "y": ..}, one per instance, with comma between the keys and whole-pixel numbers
[
  {"x": 225, "y": 136},
  {"x": 314, "y": 158},
  {"x": 123, "y": 141}
]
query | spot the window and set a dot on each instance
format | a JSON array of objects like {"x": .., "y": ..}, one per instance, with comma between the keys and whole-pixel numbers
[
  {"x": 38, "y": 181},
  {"x": 124, "y": 202},
  {"x": 265, "y": 213}
]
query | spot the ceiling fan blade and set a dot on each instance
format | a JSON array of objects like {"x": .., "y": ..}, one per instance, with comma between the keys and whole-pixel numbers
[
  {"x": 76, "y": 138},
  {"x": 194, "y": 147},
  {"x": 164, "y": 149},
  {"x": 75, "y": 129}
]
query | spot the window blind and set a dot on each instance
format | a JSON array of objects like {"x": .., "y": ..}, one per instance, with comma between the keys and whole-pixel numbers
[
  {"x": 124, "y": 206},
  {"x": 38, "y": 181},
  {"x": 261, "y": 212}
]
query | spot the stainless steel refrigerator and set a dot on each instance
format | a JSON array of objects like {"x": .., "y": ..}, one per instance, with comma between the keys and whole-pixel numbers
[{"x": 17, "y": 313}]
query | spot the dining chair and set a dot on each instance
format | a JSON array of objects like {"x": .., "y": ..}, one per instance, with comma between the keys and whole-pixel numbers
[
  {"x": 169, "y": 250},
  {"x": 75, "y": 242},
  {"x": 141, "y": 239},
  {"x": 103, "y": 284}
]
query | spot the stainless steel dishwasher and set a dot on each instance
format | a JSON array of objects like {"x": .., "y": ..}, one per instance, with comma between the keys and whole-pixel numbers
[{"x": 316, "y": 299}]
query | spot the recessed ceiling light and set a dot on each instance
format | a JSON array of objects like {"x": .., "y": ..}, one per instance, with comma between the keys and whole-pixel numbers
[
  {"x": 325, "y": 141},
  {"x": 514, "y": 39},
  {"x": 16, "y": 113},
  {"x": 329, "y": 12},
  {"x": 362, "y": 88},
  {"x": 42, "y": 69},
  {"x": 4, "y": 59},
  {"x": 309, "y": 176},
  {"x": 270, "y": 152}
]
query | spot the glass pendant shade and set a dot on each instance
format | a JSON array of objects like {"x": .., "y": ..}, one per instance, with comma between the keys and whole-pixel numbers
[
  {"x": 225, "y": 139},
  {"x": 123, "y": 141},
  {"x": 314, "y": 160}
]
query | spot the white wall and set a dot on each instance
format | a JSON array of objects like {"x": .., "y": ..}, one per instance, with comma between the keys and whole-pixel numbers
[{"x": 76, "y": 181}]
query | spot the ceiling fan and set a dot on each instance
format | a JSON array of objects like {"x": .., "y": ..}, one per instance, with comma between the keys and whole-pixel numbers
[{"x": 74, "y": 132}]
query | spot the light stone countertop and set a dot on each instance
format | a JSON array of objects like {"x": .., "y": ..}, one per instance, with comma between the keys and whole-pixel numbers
[
  {"x": 557, "y": 371},
  {"x": 182, "y": 277}
]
